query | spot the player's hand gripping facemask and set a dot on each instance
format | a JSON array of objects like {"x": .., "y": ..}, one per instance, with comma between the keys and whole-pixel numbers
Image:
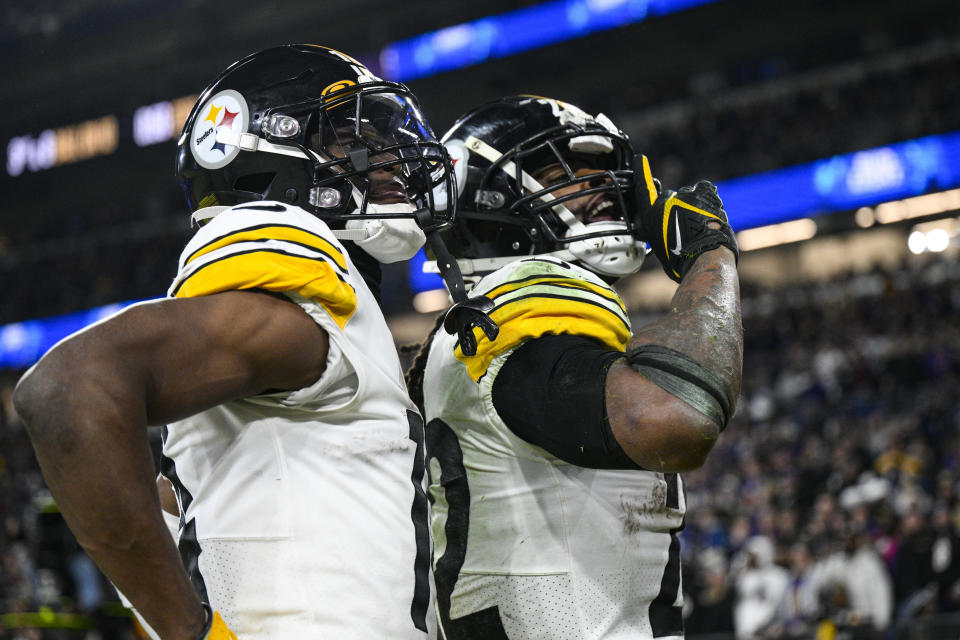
[{"x": 681, "y": 225}]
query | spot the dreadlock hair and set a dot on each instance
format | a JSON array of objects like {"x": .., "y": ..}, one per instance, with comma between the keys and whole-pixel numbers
[{"x": 414, "y": 375}]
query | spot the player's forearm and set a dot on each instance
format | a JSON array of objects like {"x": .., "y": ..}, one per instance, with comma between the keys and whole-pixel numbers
[
  {"x": 704, "y": 321},
  {"x": 89, "y": 432}
]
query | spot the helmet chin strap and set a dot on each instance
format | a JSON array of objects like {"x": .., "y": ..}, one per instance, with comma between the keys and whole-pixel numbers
[
  {"x": 253, "y": 142},
  {"x": 204, "y": 214}
]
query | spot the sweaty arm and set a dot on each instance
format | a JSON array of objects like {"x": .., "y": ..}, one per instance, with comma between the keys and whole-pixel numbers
[
  {"x": 670, "y": 422},
  {"x": 88, "y": 401},
  {"x": 596, "y": 407}
]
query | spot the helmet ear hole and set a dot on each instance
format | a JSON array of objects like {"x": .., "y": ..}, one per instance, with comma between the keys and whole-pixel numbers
[{"x": 255, "y": 182}]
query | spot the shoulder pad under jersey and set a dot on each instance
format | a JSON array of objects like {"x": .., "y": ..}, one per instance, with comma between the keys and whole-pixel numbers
[
  {"x": 538, "y": 296},
  {"x": 268, "y": 246}
]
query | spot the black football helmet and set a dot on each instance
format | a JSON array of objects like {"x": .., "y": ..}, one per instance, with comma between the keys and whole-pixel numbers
[
  {"x": 312, "y": 127},
  {"x": 506, "y": 213}
]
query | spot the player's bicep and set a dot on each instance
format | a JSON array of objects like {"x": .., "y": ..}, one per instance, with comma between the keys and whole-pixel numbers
[
  {"x": 657, "y": 429},
  {"x": 550, "y": 392},
  {"x": 192, "y": 354},
  {"x": 584, "y": 404}
]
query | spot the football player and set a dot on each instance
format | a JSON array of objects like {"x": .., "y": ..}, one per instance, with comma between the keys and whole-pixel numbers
[
  {"x": 554, "y": 451},
  {"x": 295, "y": 454}
]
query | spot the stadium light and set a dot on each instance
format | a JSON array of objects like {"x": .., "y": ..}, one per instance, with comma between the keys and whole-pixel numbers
[
  {"x": 938, "y": 240},
  {"x": 776, "y": 234},
  {"x": 864, "y": 217},
  {"x": 917, "y": 242},
  {"x": 431, "y": 301},
  {"x": 917, "y": 206},
  {"x": 935, "y": 236},
  {"x": 506, "y": 34}
]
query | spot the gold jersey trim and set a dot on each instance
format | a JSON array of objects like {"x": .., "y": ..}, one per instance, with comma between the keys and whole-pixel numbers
[
  {"x": 544, "y": 304},
  {"x": 274, "y": 270},
  {"x": 271, "y": 231}
]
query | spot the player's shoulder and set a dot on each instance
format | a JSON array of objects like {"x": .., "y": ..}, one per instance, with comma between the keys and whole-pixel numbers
[
  {"x": 533, "y": 271},
  {"x": 547, "y": 282},
  {"x": 270, "y": 246},
  {"x": 262, "y": 222},
  {"x": 533, "y": 297}
]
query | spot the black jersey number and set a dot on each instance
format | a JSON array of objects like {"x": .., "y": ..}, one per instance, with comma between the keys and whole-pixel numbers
[
  {"x": 444, "y": 447},
  {"x": 418, "y": 512}
]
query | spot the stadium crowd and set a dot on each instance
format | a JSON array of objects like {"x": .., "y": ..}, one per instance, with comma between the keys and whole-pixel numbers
[{"x": 830, "y": 502}]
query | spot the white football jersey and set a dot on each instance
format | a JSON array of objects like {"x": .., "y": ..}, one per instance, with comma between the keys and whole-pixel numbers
[
  {"x": 527, "y": 546},
  {"x": 303, "y": 513}
]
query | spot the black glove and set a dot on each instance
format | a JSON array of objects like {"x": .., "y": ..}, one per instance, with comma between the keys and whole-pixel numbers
[{"x": 675, "y": 223}]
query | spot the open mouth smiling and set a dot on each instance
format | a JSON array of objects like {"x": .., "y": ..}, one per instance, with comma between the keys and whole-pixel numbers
[{"x": 598, "y": 209}]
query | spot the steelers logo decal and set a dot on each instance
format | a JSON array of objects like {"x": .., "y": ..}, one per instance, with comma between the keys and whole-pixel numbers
[{"x": 225, "y": 112}]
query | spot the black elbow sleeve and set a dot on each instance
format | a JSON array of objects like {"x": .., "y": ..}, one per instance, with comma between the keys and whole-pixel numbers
[{"x": 684, "y": 377}]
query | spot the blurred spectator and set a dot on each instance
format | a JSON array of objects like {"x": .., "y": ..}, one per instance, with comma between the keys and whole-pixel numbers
[
  {"x": 913, "y": 572},
  {"x": 840, "y": 619},
  {"x": 861, "y": 575},
  {"x": 761, "y": 585},
  {"x": 945, "y": 560},
  {"x": 712, "y": 599},
  {"x": 799, "y": 609}
]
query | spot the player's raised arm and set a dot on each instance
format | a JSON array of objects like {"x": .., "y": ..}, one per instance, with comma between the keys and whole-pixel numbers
[
  {"x": 87, "y": 403},
  {"x": 694, "y": 355},
  {"x": 553, "y": 449}
]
